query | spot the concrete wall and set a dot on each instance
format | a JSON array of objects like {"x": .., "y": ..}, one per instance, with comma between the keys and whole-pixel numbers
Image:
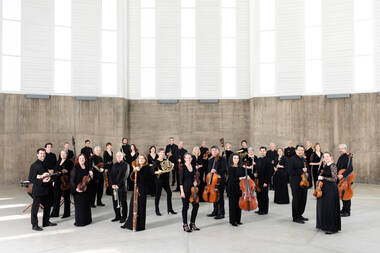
[{"x": 26, "y": 124}]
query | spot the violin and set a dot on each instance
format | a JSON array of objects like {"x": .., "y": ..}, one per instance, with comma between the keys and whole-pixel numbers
[
  {"x": 47, "y": 176},
  {"x": 211, "y": 193},
  {"x": 305, "y": 178},
  {"x": 98, "y": 166},
  {"x": 344, "y": 184},
  {"x": 247, "y": 201},
  {"x": 318, "y": 189},
  {"x": 194, "y": 197},
  {"x": 65, "y": 182},
  {"x": 257, "y": 185},
  {"x": 83, "y": 185}
]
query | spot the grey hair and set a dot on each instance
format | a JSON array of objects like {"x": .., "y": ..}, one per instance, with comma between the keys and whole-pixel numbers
[
  {"x": 250, "y": 148},
  {"x": 343, "y": 146},
  {"x": 64, "y": 151},
  {"x": 97, "y": 148}
]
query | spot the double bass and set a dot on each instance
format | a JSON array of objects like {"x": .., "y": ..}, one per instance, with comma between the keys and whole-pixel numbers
[
  {"x": 247, "y": 201},
  {"x": 344, "y": 184},
  {"x": 211, "y": 193}
]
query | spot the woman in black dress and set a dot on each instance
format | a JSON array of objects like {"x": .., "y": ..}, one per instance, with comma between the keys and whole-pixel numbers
[
  {"x": 81, "y": 198},
  {"x": 280, "y": 179},
  {"x": 187, "y": 180},
  {"x": 315, "y": 161},
  {"x": 197, "y": 162},
  {"x": 130, "y": 158},
  {"x": 143, "y": 177},
  {"x": 235, "y": 171},
  {"x": 108, "y": 162},
  {"x": 328, "y": 206},
  {"x": 152, "y": 157}
]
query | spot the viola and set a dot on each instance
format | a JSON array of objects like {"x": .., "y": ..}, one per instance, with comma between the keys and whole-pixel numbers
[
  {"x": 247, "y": 201},
  {"x": 318, "y": 189},
  {"x": 211, "y": 193},
  {"x": 194, "y": 197},
  {"x": 344, "y": 185},
  {"x": 305, "y": 178},
  {"x": 83, "y": 185}
]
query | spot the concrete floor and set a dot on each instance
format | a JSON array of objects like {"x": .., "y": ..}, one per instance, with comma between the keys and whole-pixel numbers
[{"x": 272, "y": 233}]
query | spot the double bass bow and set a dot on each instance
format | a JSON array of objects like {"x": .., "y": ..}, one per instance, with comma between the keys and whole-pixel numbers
[{"x": 247, "y": 201}]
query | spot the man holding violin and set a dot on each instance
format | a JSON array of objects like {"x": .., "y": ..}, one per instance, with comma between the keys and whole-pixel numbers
[{"x": 40, "y": 178}]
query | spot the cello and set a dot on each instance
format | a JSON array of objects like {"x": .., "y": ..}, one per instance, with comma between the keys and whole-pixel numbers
[
  {"x": 247, "y": 201},
  {"x": 344, "y": 185},
  {"x": 211, "y": 193}
]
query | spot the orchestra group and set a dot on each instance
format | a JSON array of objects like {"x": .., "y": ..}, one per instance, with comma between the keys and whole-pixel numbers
[{"x": 202, "y": 175}]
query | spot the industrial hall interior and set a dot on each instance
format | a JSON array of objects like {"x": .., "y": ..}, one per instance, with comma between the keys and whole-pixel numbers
[{"x": 181, "y": 126}]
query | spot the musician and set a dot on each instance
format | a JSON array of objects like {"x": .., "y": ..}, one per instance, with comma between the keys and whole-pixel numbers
[
  {"x": 197, "y": 162},
  {"x": 108, "y": 162},
  {"x": 50, "y": 159},
  {"x": 40, "y": 191},
  {"x": 280, "y": 179},
  {"x": 315, "y": 161},
  {"x": 162, "y": 181},
  {"x": 262, "y": 172},
  {"x": 203, "y": 148},
  {"x": 87, "y": 151},
  {"x": 117, "y": 183},
  {"x": 205, "y": 153},
  {"x": 70, "y": 153},
  {"x": 98, "y": 182},
  {"x": 290, "y": 150},
  {"x": 171, "y": 152},
  {"x": 152, "y": 157},
  {"x": 249, "y": 162},
  {"x": 308, "y": 151},
  {"x": 64, "y": 166},
  {"x": 344, "y": 163},
  {"x": 125, "y": 148},
  {"x": 143, "y": 176},
  {"x": 181, "y": 152},
  {"x": 272, "y": 156},
  {"x": 235, "y": 172},
  {"x": 244, "y": 148},
  {"x": 132, "y": 156},
  {"x": 328, "y": 206},
  {"x": 228, "y": 151},
  {"x": 296, "y": 167},
  {"x": 187, "y": 181},
  {"x": 81, "y": 197},
  {"x": 218, "y": 165}
]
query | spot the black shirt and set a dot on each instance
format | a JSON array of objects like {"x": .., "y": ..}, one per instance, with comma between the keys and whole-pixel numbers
[
  {"x": 290, "y": 151},
  {"x": 295, "y": 167},
  {"x": 343, "y": 164},
  {"x": 174, "y": 150},
  {"x": 117, "y": 174},
  {"x": 262, "y": 167},
  {"x": 39, "y": 188},
  {"x": 50, "y": 161}
]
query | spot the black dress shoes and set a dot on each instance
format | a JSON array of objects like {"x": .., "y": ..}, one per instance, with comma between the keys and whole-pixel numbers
[
  {"x": 219, "y": 217},
  {"x": 37, "y": 228},
  {"x": 239, "y": 223},
  {"x": 65, "y": 216},
  {"x": 299, "y": 221},
  {"x": 93, "y": 206},
  {"x": 124, "y": 226},
  {"x": 345, "y": 214},
  {"x": 122, "y": 220},
  {"x": 158, "y": 213},
  {"x": 304, "y": 219},
  {"x": 211, "y": 214},
  {"x": 100, "y": 204},
  {"x": 234, "y": 224},
  {"x": 49, "y": 224},
  {"x": 115, "y": 219},
  {"x": 172, "y": 212}
]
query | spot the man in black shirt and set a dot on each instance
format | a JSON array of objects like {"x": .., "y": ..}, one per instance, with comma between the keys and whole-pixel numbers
[
  {"x": 217, "y": 164},
  {"x": 344, "y": 162},
  {"x": 296, "y": 167},
  {"x": 262, "y": 172},
  {"x": 181, "y": 152},
  {"x": 87, "y": 151},
  {"x": 96, "y": 160},
  {"x": 290, "y": 150},
  {"x": 40, "y": 192},
  {"x": 70, "y": 153},
  {"x": 125, "y": 148},
  {"x": 50, "y": 159},
  {"x": 272, "y": 157},
  {"x": 117, "y": 182},
  {"x": 171, "y": 152}
]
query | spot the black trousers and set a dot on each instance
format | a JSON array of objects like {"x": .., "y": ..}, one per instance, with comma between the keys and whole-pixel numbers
[
  {"x": 234, "y": 209},
  {"x": 185, "y": 207},
  {"x": 263, "y": 199},
  {"x": 123, "y": 204},
  {"x": 58, "y": 193},
  {"x": 346, "y": 206},
  {"x": 99, "y": 188},
  {"x": 219, "y": 206},
  {"x": 159, "y": 185},
  {"x": 299, "y": 199},
  {"x": 43, "y": 200}
]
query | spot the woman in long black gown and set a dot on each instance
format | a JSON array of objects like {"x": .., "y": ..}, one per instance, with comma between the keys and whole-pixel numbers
[
  {"x": 280, "y": 180},
  {"x": 133, "y": 155},
  {"x": 235, "y": 171},
  {"x": 328, "y": 206},
  {"x": 152, "y": 157},
  {"x": 143, "y": 177},
  {"x": 197, "y": 162},
  {"x": 81, "y": 198},
  {"x": 315, "y": 160},
  {"x": 186, "y": 181}
]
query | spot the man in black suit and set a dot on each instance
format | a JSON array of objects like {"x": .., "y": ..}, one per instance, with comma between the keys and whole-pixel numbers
[
  {"x": 262, "y": 171},
  {"x": 40, "y": 192}
]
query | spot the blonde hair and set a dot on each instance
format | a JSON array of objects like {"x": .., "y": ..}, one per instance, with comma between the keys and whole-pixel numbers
[
  {"x": 138, "y": 163},
  {"x": 195, "y": 149}
]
